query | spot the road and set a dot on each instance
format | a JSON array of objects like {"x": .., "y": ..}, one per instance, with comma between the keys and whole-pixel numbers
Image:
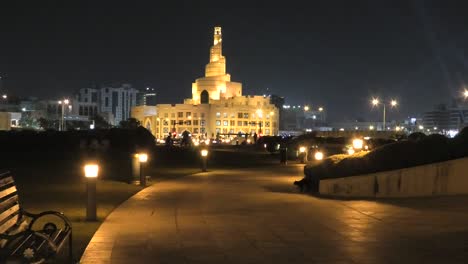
[{"x": 258, "y": 216}]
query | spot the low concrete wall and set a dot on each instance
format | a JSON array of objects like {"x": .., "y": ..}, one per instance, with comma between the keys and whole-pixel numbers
[
  {"x": 5, "y": 121},
  {"x": 444, "y": 178}
]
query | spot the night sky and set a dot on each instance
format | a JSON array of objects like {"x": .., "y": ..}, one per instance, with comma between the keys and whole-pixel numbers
[{"x": 336, "y": 54}]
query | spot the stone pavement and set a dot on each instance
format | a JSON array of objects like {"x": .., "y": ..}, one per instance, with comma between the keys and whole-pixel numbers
[{"x": 257, "y": 216}]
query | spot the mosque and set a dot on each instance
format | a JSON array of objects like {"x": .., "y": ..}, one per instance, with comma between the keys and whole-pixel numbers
[{"x": 217, "y": 106}]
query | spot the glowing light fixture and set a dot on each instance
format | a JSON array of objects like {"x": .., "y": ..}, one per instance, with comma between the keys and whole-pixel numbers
[
  {"x": 358, "y": 143},
  {"x": 351, "y": 151},
  {"x": 204, "y": 152},
  {"x": 143, "y": 157},
  {"x": 306, "y": 108},
  {"x": 318, "y": 155},
  {"x": 302, "y": 149},
  {"x": 91, "y": 170}
]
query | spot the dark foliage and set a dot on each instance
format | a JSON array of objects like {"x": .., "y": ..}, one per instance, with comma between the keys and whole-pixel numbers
[{"x": 417, "y": 150}]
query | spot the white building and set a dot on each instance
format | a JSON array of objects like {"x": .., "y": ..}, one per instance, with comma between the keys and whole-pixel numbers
[{"x": 112, "y": 103}]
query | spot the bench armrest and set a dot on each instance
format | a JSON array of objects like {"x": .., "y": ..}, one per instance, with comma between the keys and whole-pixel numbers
[{"x": 35, "y": 217}]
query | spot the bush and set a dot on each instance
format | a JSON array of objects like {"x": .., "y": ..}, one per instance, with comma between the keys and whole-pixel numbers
[{"x": 415, "y": 151}]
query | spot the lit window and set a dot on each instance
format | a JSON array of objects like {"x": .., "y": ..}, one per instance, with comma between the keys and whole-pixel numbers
[
  {"x": 218, "y": 130},
  {"x": 187, "y": 114},
  {"x": 218, "y": 122},
  {"x": 218, "y": 114},
  {"x": 267, "y": 131},
  {"x": 246, "y": 115},
  {"x": 239, "y": 123},
  {"x": 225, "y": 123},
  {"x": 225, "y": 115}
]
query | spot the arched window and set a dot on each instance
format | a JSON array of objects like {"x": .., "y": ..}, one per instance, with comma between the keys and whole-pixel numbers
[{"x": 204, "y": 97}]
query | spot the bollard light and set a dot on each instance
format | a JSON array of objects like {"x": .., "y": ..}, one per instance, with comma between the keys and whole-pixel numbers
[
  {"x": 204, "y": 154},
  {"x": 143, "y": 158},
  {"x": 91, "y": 172},
  {"x": 318, "y": 155}
]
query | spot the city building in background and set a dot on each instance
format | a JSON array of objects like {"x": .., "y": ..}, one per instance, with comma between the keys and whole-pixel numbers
[
  {"x": 449, "y": 118},
  {"x": 113, "y": 103},
  {"x": 147, "y": 97},
  {"x": 217, "y": 106}
]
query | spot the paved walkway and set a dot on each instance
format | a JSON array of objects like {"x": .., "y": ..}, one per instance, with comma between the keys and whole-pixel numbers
[{"x": 257, "y": 216}]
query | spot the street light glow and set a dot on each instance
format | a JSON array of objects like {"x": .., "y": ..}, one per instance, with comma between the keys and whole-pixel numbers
[
  {"x": 204, "y": 152},
  {"x": 318, "y": 155},
  {"x": 306, "y": 108},
  {"x": 4, "y": 96},
  {"x": 465, "y": 93},
  {"x": 302, "y": 149},
  {"x": 320, "y": 109},
  {"x": 375, "y": 101},
  {"x": 351, "y": 151},
  {"x": 91, "y": 170},
  {"x": 358, "y": 143},
  {"x": 142, "y": 157},
  {"x": 393, "y": 103},
  {"x": 66, "y": 101}
]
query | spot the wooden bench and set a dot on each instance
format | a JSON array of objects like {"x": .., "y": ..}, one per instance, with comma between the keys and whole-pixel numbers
[{"x": 20, "y": 240}]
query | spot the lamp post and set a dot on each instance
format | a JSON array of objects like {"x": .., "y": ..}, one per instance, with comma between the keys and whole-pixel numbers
[
  {"x": 204, "y": 155},
  {"x": 376, "y": 102},
  {"x": 62, "y": 104},
  {"x": 143, "y": 158},
  {"x": 91, "y": 173}
]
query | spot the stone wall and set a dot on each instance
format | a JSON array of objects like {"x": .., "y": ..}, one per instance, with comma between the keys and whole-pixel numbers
[{"x": 444, "y": 178}]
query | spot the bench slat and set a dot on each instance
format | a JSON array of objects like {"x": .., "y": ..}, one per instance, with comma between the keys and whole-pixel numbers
[
  {"x": 5, "y": 205},
  {"x": 7, "y": 192},
  {"x": 6, "y": 181},
  {"x": 8, "y": 224},
  {"x": 13, "y": 210}
]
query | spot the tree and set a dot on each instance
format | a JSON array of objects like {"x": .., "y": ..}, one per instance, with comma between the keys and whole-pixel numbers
[
  {"x": 100, "y": 122},
  {"x": 131, "y": 123},
  {"x": 27, "y": 121},
  {"x": 46, "y": 123}
]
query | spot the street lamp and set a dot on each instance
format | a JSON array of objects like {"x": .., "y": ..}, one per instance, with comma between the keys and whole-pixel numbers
[
  {"x": 465, "y": 93},
  {"x": 62, "y": 123},
  {"x": 320, "y": 109},
  {"x": 91, "y": 172},
  {"x": 142, "y": 158},
  {"x": 204, "y": 155},
  {"x": 306, "y": 108},
  {"x": 4, "y": 96},
  {"x": 376, "y": 102}
]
